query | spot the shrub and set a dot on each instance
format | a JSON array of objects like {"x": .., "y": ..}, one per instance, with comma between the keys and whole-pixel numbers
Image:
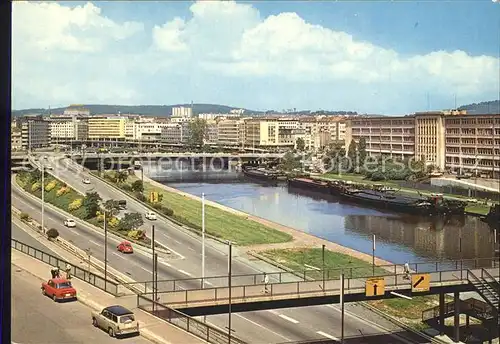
[
  {"x": 50, "y": 186},
  {"x": 24, "y": 217},
  {"x": 140, "y": 196},
  {"x": 114, "y": 222},
  {"x": 136, "y": 234},
  {"x": 62, "y": 191},
  {"x": 157, "y": 206},
  {"x": 35, "y": 186},
  {"x": 167, "y": 211},
  {"x": 76, "y": 204},
  {"x": 52, "y": 233},
  {"x": 126, "y": 187}
]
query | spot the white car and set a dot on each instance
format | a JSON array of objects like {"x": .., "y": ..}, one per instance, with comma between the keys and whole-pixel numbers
[
  {"x": 86, "y": 181},
  {"x": 150, "y": 215},
  {"x": 70, "y": 223}
]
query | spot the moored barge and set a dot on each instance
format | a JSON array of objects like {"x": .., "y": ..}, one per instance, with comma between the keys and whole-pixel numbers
[{"x": 261, "y": 173}]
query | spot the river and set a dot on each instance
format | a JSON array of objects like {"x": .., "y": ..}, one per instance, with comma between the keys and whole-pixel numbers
[{"x": 399, "y": 238}]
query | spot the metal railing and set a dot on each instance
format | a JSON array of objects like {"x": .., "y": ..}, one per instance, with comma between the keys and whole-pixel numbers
[
  {"x": 492, "y": 282},
  {"x": 299, "y": 289},
  {"x": 471, "y": 307},
  {"x": 185, "y": 322},
  {"x": 82, "y": 274},
  {"x": 196, "y": 283}
]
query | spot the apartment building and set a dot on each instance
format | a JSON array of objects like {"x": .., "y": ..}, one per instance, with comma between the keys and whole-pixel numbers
[
  {"x": 111, "y": 128},
  {"x": 450, "y": 141},
  {"x": 472, "y": 144},
  {"x": 212, "y": 133},
  {"x": 270, "y": 132},
  {"x": 16, "y": 142},
  {"x": 182, "y": 111},
  {"x": 230, "y": 132},
  {"x": 387, "y": 136},
  {"x": 35, "y": 132},
  {"x": 175, "y": 133}
]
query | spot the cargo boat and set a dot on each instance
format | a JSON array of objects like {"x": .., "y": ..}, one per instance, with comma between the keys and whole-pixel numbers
[
  {"x": 261, "y": 173},
  {"x": 310, "y": 184}
]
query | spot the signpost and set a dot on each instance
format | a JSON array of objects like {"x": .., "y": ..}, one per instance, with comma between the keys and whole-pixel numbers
[
  {"x": 375, "y": 287},
  {"x": 420, "y": 282}
]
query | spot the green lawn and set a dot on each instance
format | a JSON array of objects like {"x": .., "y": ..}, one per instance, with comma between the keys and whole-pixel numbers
[
  {"x": 297, "y": 259},
  {"x": 219, "y": 223},
  {"x": 408, "y": 309}
]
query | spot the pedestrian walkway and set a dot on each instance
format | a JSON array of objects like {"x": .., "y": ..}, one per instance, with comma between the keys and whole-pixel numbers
[{"x": 152, "y": 328}]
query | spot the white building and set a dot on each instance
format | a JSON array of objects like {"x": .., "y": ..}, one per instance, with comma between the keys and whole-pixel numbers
[
  {"x": 182, "y": 111},
  {"x": 149, "y": 129},
  {"x": 175, "y": 133},
  {"x": 219, "y": 116},
  {"x": 35, "y": 132}
]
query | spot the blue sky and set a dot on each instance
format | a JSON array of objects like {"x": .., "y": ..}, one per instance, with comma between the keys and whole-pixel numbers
[{"x": 372, "y": 57}]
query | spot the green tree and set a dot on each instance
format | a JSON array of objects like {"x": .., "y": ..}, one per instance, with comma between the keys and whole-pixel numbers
[
  {"x": 361, "y": 153},
  {"x": 91, "y": 204},
  {"x": 301, "y": 145},
  {"x": 137, "y": 186},
  {"x": 34, "y": 176},
  {"x": 290, "y": 162},
  {"x": 130, "y": 221},
  {"x": 112, "y": 207},
  {"x": 334, "y": 157},
  {"x": 197, "y": 132},
  {"x": 121, "y": 176},
  {"x": 352, "y": 155}
]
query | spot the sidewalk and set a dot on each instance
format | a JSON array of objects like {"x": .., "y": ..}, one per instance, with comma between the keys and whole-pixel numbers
[{"x": 153, "y": 329}]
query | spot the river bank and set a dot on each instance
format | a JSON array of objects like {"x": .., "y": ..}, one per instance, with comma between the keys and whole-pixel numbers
[{"x": 299, "y": 238}]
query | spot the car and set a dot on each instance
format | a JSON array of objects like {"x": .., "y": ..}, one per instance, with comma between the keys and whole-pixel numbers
[
  {"x": 116, "y": 320},
  {"x": 59, "y": 289},
  {"x": 122, "y": 204},
  {"x": 125, "y": 247},
  {"x": 151, "y": 215},
  {"x": 86, "y": 181},
  {"x": 70, "y": 223}
]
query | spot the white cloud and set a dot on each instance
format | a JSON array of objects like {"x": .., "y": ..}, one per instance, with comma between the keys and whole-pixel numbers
[{"x": 57, "y": 47}]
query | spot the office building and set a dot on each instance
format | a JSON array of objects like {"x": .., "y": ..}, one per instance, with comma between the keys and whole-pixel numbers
[
  {"x": 16, "y": 142},
  {"x": 182, "y": 111},
  {"x": 111, "y": 128},
  {"x": 35, "y": 132},
  {"x": 175, "y": 133},
  {"x": 230, "y": 132},
  {"x": 270, "y": 132}
]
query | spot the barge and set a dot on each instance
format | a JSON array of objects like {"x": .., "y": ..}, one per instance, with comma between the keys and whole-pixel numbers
[{"x": 261, "y": 173}]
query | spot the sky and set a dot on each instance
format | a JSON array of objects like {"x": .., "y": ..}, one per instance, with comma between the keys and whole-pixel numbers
[{"x": 385, "y": 57}]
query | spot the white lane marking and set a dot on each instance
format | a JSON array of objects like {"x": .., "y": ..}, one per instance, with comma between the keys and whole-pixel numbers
[
  {"x": 119, "y": 256},
  {"x": 292, "y": 320},
  {"x": 92, "y": 241},
  {"x": 166, "y": 264},
  {"x": 263, "y": 327},
  {"x": 184, "y": 272},
  {"x": 192, "y": 249},
  {"x": 321, "y": 333},
  {"x": 311, "y": 267},
  {"x": 177, "y": 241}
]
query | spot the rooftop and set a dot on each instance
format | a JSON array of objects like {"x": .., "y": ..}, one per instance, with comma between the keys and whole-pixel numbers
[{"x": 119, "y": 310}]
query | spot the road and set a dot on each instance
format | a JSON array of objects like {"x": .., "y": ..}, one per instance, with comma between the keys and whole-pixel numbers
[
  {"x": 266, "y": 326},
  {"x": 36, "y": 319}
]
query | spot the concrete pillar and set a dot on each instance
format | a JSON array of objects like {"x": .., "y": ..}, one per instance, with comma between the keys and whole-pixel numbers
[
  {"x": 441, "y": 314},
  {"x": 456, "y": 317},
  {"x": 467, "y": 320}
]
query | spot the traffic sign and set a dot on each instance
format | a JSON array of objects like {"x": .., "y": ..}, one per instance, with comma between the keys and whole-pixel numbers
[
  {"x": 420, "y": 282},
  {"x": 375, "y": 287}
]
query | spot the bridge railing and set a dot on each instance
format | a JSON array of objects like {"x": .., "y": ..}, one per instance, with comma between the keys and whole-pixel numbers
[
  {"x": 82, "y": 274},
  {"x": 185, "y": 322},
  {"x": 298, "y": 288},
  {"x": 195, "y": 283}
]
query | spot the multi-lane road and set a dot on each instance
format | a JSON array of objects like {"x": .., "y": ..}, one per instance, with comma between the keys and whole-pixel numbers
[
  {"x": 274, "y": 326},
  {"x": 39, "y": 320}
]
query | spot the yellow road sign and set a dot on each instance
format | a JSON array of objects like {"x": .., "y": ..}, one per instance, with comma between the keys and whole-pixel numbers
[
  {"x": 153, "y": 197},
  {"x": 420, "y": 282},
  {"x": 375, "y": 287}
]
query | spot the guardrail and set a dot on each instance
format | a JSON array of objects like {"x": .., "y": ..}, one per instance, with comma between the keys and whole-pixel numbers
[
  {"x": 82, "y": 274},
  {"x": 299, "y": 289},
  {"x": 195, "y": 283},
  {"x": 185, "y": 322},
  {"x": 472, "y": 307}
]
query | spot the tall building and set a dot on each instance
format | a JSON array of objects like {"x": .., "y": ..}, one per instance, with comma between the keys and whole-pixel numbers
[
  {"x": 270, "y": 132},
  {"x": 450, "y": 141},
  {"x": 66, "y": 129},
  {"x": 35, "y": 132},
  {"x": 175, "y": 133},
  {"x": 16, "y": 142},
  {"x": 182, "y": 111},
  {"x": 230, "y": 132},
  {"x": 110, "y": 128}
]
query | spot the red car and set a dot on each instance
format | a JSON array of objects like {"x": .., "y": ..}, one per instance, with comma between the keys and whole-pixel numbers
[
  {"x": 59, "y": 289},
  {"x": 125, "y": 247}
]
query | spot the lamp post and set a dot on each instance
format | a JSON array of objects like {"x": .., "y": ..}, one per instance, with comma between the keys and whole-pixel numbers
[
  {"x": 323, "y": 258},
  {"x": 153, "y": 275},
  {"x": 229, "y": 257},
  {"x": 373, "y": 254},
  {"x": 203, "y": 240},
  {"x": 43, "y": 197},
  {"x": 342, "y": 308},
  {"x": 105, "y": 252}
]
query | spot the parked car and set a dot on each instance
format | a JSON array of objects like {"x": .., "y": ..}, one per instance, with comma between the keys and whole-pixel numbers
[
  {"x": 116, "y": 320},
  {"x": 151, "y": 215},
  {"x": 59, "y": 289},
  {"x": 86, "y": 181},
  {"x": 122, "y": 204},
  {"x": 70, "y": 223},
  {"x": 125, "y": 247}
]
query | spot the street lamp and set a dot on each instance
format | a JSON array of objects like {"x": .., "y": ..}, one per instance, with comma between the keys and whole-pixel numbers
[
  {"x": 43, "y": 197},
  {"x": 229, "y": 272},
  {"x": 203, "y": 240},
  {"x": 105, "y": 252},
  {"x": 373, "y": 254}
]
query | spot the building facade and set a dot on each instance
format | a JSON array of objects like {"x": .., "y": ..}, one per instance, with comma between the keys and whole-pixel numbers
[
  {"x": 107, "y": 128},
  {"x": 16, "y": 142},
  {"x": 182, "y": 111},
  {"x": 175, "y": 133},
  {"x": 449, "y": 141},
  {"x": 35, "y": 132},
  {"x": 230, "y": 132},
  {"x": 272, "y": 132}
]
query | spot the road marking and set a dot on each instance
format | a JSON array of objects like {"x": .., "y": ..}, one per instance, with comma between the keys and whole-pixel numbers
[
  {"x": 116, "y": 254},
  {"x": 92, "y": 241},
  {"x": 263, "y": 327},
  {"x": 311, "y": 267},
  {"x": 321, "y": 333},
  {"x": 184, "y": 272},
  {"x": 166, "y": 264},
  {"x": 288, "y": 318},
  {"x": 192, "y": 249}
]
